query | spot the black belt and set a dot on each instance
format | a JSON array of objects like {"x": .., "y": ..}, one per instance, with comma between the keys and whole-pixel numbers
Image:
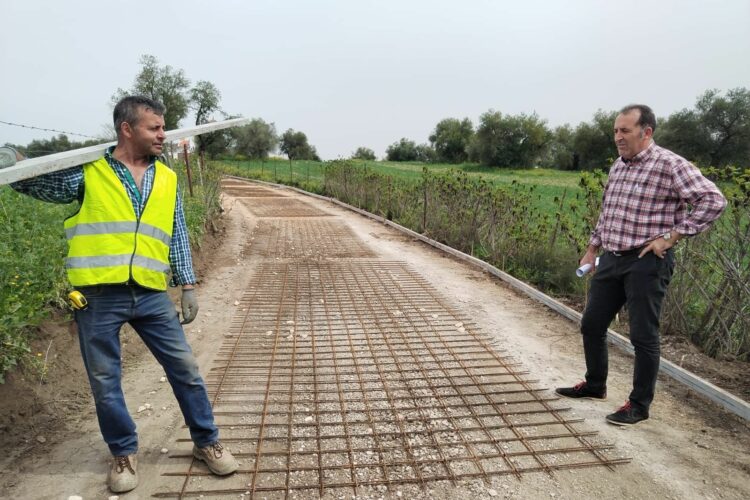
[{"x": 625, "y": 253}]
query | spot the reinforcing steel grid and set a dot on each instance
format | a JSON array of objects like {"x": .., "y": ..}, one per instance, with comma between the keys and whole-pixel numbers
[{"x": 338, "y": 376}]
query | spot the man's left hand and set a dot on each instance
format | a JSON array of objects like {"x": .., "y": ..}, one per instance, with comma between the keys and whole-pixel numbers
[
  {"x": 189, "y": 305},
  {"x": 660, "y": 246}
]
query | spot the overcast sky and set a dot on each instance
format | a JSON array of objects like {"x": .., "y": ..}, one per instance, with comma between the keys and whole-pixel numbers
[{"x": 354, "y": 73}]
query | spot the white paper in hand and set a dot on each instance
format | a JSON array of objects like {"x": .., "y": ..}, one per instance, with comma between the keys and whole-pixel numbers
[{"x": 585, "y": 269}]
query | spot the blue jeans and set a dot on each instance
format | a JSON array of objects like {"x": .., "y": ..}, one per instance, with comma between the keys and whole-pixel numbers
[
  {"x": 153, "y": 316},
  {"x": 641, "y": 284}
]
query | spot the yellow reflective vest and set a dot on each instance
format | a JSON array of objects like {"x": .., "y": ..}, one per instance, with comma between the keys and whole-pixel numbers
[{"x": 107, "y": 244}]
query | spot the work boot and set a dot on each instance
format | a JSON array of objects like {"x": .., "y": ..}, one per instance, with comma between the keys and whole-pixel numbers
[
  {"x": 581, "y": 391},
  {"x": 626, "y": 415},
  {"x": 123, "y": 476},
  {"x": 217, "y": 458}
]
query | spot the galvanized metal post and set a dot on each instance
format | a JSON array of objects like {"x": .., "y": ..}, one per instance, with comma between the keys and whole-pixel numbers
[
  {"x": 187, "y": 169},
  {"x": 201, "y": 166}
]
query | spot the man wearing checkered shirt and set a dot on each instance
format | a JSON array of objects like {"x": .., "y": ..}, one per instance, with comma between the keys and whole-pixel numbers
[{"x": 653, "y": 199}]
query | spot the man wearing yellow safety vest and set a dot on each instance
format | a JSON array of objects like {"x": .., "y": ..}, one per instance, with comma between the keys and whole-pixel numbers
[{"x": 127, "y": 236}]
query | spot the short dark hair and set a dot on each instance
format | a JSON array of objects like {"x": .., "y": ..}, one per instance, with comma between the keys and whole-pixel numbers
[
  {"x": 127, "y": 110},
  {"x": 647, "y": 118}
]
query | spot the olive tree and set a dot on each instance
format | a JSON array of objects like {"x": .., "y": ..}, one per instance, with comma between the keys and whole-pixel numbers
[
  {"x": 256, "y": 140},
  {"x": 363, "y": 153},
  {"x": 164, "y": 84},
  {"x": 716, "y": 132},
  {"x": 451, "y": 139},
  {"x": 509, "y": 141},
  {"x": 295, "y": 146}
]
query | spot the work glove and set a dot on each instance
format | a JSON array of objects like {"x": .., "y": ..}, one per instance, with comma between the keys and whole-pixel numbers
[
  {"x": 9, "y": 157},
  {"x": 189, "y": 305}
]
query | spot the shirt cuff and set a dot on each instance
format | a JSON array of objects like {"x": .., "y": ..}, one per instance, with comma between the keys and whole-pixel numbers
[
  {"x": 686, "y": 229},
  {"x": 182, "y": 280}
]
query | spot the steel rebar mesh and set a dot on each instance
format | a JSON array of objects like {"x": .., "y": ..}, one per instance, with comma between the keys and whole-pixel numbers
[{"x": 358, "y": 373}]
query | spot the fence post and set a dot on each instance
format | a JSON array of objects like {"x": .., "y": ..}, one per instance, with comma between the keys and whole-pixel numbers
[
  {"x": 201, "y": 166},
  {"x": 202, "y": 159},
  {"x": 168, "y": 156},
  {"x": 424, "y": 204},
  {"x": 365, "y": 186},
  {"x": 187, "y": 169},
  {"x": 389, "y": 213}
]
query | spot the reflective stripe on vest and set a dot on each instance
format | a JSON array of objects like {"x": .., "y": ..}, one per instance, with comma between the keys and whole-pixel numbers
[
  {"x": 115, "y": 260},
  {"x": 118, "y": 227},
  {"x": 107, "y": 244}
]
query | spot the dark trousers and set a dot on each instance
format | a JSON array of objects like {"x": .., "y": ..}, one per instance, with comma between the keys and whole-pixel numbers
[{"x": 641, "y": 284}]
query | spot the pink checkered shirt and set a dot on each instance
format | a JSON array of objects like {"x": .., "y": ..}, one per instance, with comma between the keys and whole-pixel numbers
[{"x": 649, "y": 196}]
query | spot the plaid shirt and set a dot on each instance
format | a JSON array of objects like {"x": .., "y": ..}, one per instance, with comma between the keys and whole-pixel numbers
[
  {"x": 66, "y": 186},
  {"x": 649, "y": 196}
]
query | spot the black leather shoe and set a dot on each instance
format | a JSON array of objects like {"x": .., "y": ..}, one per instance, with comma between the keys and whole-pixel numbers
[
  {"x": 626, "y": 415},
  {"x": 581, "y": 391}
]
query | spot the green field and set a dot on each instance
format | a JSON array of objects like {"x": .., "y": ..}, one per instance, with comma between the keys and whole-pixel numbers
[{"x": 548, "y": 184}]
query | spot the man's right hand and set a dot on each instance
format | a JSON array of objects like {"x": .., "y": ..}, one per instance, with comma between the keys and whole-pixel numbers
[{"x": 590, "y": 257}]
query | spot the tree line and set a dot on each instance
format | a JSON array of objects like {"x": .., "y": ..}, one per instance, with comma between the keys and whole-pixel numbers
[
  {"x": 56, "y": 144},
  {"x": 715, "y": 132}
]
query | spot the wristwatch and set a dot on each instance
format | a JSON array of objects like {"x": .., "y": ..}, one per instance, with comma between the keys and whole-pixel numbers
[{"x": 667, "y": 236}]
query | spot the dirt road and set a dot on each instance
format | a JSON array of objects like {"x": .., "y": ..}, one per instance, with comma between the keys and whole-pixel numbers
[{"x": 687, "y": 449}]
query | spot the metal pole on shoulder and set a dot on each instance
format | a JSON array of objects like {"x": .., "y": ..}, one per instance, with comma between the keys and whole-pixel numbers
[{"x": 33, "y": 167}]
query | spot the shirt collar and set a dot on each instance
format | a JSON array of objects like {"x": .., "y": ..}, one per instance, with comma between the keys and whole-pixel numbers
[
  {"x": 114, "y": 161},
  {"x": 641, "y": 157}
]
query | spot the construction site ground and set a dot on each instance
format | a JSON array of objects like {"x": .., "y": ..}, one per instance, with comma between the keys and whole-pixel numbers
[{"x": 346, "y": 360}]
